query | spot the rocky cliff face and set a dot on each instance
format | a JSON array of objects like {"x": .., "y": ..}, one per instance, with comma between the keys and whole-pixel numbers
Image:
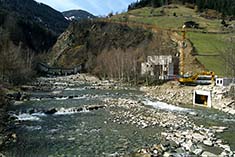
[{"x": 84, "y": 42}]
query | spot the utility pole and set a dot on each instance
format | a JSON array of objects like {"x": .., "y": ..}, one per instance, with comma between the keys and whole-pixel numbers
[{"x": 182, "y": 55}]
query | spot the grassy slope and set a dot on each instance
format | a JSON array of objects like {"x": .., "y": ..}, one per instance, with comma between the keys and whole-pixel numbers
[
  {"x": 210, "y": 44},
  {"x": 204, "y": 43}
]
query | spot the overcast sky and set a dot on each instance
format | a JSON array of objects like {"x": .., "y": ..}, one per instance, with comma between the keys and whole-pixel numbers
[{"x": 96, "y": 7}]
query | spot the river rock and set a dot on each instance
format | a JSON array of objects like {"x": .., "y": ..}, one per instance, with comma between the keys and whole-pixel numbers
[
  {"x": 179, "y": 151},
  {"x": 207, "y": 154},
  {"x": 198, "y": 137},
  {"x": 155, "y": 151},
  {"x": 167, "y": 154},
  {"x": 51, "y": 111},
  {"x": 1, "y": 155},
  {"x": 219, "y": 129},
  {"x": 225, "y": 147},
  {"x": 31, "y": 111},
  {"x": 208, "y": 142},
  {"x": 1, "y": 141},
  {"x": 198, "y": 151},
  {"x": 188, "y": 146}
]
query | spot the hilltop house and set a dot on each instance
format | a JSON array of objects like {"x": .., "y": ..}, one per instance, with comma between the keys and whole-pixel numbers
[{"x": 161, "y": 67}]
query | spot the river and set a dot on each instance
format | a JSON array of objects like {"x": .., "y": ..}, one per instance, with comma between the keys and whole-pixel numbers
[{"x": 129, "y": 122}]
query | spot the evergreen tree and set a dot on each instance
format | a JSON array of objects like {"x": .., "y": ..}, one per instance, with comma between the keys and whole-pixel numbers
[{"x": 226, "y": 7}]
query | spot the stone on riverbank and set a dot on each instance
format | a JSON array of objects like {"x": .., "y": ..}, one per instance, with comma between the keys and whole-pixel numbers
[
  {"x": 208, "y": 154},
  {"x": 208, "y": 142}
]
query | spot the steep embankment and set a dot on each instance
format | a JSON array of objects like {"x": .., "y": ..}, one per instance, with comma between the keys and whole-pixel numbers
[
  {"x": 209, "y": 40},
  {"x": 94, "y": 43},
  {"x": 191, "y": 63}
]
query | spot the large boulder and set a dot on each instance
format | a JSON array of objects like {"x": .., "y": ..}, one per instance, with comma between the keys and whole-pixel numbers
[{"x": 51, "y": 111}]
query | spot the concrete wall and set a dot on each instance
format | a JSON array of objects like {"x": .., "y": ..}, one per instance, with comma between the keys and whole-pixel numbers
[
  {"x": 224, "y": 81},
  {"x": 202, "y": 98}
]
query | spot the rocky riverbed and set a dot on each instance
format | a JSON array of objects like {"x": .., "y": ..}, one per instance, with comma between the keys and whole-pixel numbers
[
  {"x": 81, "y": 115},
  {"x": 181, "y": 136},
  {"x": 173, "y": 93}
]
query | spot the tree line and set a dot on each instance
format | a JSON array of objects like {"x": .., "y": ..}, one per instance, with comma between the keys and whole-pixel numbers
[
  {"x": 226, "y": 7},
  {"x": 15, "y": 62}
]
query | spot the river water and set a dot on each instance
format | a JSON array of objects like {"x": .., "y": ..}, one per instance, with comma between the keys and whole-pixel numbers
[{"x": 95, "y": 133}]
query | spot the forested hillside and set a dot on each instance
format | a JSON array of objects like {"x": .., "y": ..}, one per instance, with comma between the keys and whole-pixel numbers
[
  {"x": 27, "y": 28},
  {"x": 227, "y": 7}
]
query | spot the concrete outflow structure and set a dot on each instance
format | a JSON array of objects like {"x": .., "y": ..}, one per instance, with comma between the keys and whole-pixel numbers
[
  {"x": 202, "y": 98},
  {"x": 161, "y": 67}
]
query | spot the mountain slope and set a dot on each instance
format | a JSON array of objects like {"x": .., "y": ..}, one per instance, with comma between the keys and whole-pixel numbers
[
  {"x": 77, "y": 15},
  {"x": 209, "y": 40},
  {"x": 103, "y": 48},
  {"x": 36, "y": 26},
  {"x": 27, "y": 28},
  {"x": 36, "y": 12}
]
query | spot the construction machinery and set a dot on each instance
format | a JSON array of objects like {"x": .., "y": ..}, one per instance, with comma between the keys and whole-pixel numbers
[{"x": 201, "y": 78}]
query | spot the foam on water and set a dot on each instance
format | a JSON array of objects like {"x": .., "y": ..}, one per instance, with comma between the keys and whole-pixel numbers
[
  {"x": 32, "y": 128},
  {"x": 84, "y": 110},
  {"x": 74, "y": 89},
  {"x": 39, "y": 114},
  {"x": 78, "y": 98},
  {"x": 35, "y": 99},
  {"x": 63, "y": 98},
  {"x": 69, "y": 111},
  {"x": 164, "y": 106},
  {"x": 27, "y": 117}
]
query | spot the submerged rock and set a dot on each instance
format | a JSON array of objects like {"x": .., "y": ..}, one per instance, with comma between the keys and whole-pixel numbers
[{"x": 51, "y": 111}]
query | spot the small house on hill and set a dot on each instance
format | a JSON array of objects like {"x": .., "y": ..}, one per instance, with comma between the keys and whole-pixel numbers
[
  {"x": 191, "y": 24},
  {"x": 160, "y": 67}
]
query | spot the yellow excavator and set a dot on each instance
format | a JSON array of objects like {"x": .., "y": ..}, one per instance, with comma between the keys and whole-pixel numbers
[{"x": 201, "y": 78}]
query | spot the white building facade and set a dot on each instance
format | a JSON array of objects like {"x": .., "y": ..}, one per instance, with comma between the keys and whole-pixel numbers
[{"x": 161, "y": 67}]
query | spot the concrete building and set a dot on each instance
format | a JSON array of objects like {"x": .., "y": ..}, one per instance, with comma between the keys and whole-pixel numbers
[
  {"x": 161, "y": 67},
  {"x": 224, "y": 81}
]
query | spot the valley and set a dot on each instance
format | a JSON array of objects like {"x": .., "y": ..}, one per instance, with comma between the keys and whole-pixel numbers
[{"x": 156, "y": 79}]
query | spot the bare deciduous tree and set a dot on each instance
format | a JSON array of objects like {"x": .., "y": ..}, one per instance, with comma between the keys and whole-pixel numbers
[{"x": 15, "y": 61}]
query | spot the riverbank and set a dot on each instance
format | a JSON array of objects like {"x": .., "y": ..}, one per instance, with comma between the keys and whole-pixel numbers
[
  {"x": 3, "y": 121},
  {"x": 91, "y": 113},
  {"x": 173, "y": 93},
  {"x": 180, "y": 135}
]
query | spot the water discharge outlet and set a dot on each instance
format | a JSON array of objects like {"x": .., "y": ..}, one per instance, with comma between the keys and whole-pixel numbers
[{"x": 202, "y": 98}]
